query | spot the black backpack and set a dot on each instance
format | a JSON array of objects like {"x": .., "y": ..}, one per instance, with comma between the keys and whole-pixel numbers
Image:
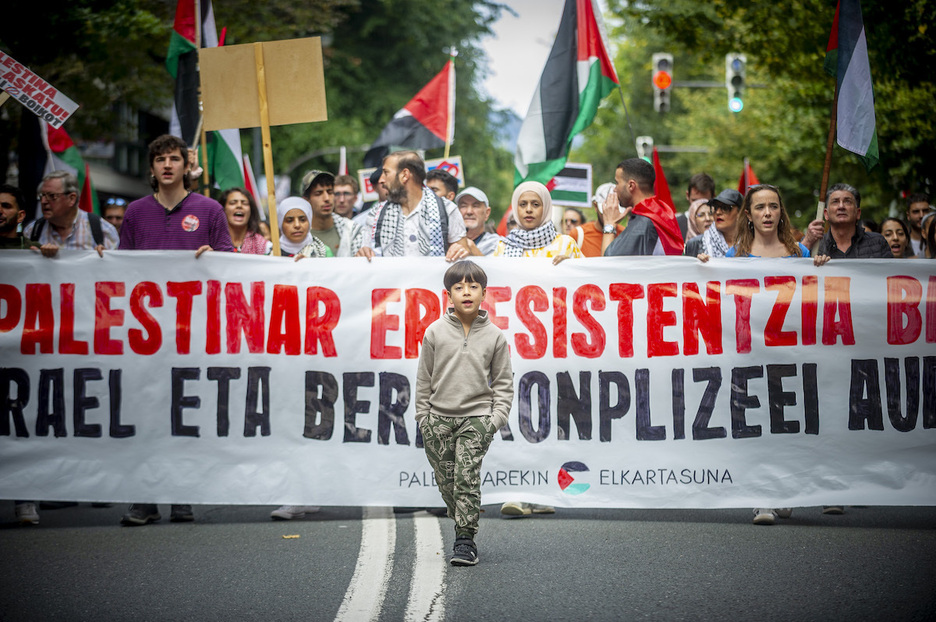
[
  {"x": 93, "y": 219},
  {"x": 443, "y": 220}
]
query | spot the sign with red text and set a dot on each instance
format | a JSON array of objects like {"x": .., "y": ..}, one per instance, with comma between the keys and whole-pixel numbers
[
  {"x": 39, "y": 97},
  {"x": 640, "y": 382}
]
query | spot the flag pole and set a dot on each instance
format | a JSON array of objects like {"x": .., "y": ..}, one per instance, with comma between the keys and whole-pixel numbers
[
  {"x": 450, "y": 126},
  {"x": 830, "y": 141},
  {"x": 267, "y": 146},
  {"x": 627, "y": 117}
]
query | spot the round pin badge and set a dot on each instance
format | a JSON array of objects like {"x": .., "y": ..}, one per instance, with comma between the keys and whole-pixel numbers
[{"x": 190, "y": 223}]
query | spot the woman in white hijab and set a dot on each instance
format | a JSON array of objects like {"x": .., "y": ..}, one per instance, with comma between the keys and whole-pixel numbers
[
  {"x": 535, "y": 235},
  {"x": 294, "y": 215}
]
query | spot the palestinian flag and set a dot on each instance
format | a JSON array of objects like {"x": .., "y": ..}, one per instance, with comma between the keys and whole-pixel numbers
[
  {"x": 578, "y": 74},
  {"x": 847, "y": 60},
  {"x": 660, "y": 185},
  {"x": 426, "y": 122},
  {"x": 572, "y": 186},
  {"x": 194, "y": 27}
]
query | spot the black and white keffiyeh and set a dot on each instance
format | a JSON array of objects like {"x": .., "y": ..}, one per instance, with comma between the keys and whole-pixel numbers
[
  {"x": 520, "y": 240},
  {"x": 431, "y": 238},
  {"x": 713, "y": 242}
]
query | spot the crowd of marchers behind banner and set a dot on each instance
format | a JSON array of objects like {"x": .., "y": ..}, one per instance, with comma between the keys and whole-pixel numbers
[{"x": 424, "y": 214}]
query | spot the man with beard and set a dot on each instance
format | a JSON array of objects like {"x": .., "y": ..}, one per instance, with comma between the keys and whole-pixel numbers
[
  {"x": 415, "y": 222},
  {"x": 11, "y": 215},
  {"x": 652, "y": 229}
]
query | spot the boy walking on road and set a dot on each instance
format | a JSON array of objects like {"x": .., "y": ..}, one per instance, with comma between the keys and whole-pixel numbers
[{"x": 464, "y": 389}]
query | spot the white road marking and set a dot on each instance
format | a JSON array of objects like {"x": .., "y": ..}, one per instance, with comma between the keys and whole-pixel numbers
[
  {"x": 368, "y": 586},
  {"x": 427, "y": 587}
]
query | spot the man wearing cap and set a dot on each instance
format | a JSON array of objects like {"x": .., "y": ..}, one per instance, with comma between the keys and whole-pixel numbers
[
  {"x": 590, "y": 236},
  {"x": 344, "y": 237},
  {"x": 475, "y": 210},
  {"x": 415, "y": 222},
  {"x": 652, "y": 229},
  {"x": 717, "y": 239}
]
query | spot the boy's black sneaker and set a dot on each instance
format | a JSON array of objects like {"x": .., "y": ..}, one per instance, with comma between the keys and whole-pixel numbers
[{"x": 466, "y": 553}]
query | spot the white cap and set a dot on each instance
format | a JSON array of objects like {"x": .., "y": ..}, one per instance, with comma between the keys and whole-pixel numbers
[
  {"x": 476, "y": 193},
  {"x": 601, "y": 193}
]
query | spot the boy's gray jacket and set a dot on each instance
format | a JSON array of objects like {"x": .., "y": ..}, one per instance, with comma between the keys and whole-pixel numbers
[{"x": 463, "y": 376}]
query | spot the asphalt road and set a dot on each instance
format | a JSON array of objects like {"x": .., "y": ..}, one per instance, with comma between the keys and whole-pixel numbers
[{"x": 234, "y": 563}]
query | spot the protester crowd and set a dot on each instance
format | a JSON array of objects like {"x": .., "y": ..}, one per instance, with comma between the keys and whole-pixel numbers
[{"x": 424, "y": 214}]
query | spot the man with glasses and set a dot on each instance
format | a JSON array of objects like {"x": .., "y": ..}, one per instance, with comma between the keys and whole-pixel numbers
[
  {"x": 346, "y": 192},
  {"x": 845, "y": 239},
  {"x": 63, "y": 224},
  {"x": 717, "y": 239}
]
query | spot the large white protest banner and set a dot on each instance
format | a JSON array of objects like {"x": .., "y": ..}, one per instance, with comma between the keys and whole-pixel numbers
[
  {"x": 641, "y": 382},
  {"x": 39, "y": 97}
]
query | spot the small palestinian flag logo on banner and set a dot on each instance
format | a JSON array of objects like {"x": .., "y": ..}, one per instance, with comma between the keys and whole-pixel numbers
[{"x": 567, "y": 482}]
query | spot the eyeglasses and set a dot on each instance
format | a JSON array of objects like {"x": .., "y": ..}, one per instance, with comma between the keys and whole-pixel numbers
[
  {"x": 51, "y": 196},
  {"x": 571, "y": 221},
  {"x": 721, "y": 207}
]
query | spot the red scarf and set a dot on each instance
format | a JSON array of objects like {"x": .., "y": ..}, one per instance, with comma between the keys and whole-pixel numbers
[{"x": 664, "y": 220}]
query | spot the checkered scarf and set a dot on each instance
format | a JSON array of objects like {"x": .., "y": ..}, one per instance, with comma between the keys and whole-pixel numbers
[
  {"x": 713, "y": 242},
  {"x": 431, "y": 237},
  {"x": 520, "y": 240}
]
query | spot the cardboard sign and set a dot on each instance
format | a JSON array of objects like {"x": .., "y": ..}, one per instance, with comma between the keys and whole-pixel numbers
[
  {"x": 39, "y": 97},
  {"x": 294, "y": 76}
]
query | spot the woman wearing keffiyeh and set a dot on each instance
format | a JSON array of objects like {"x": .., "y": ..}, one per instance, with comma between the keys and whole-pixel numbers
[{"x": 536, "y": 235}]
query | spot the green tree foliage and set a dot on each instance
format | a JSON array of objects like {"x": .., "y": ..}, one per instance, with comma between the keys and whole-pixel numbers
[
  {"x": 784, "y": 125},
  {"x": 378, "y": 54}
]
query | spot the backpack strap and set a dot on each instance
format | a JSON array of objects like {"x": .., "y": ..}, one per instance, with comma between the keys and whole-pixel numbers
[
  {"x": 443, "y": 220},
  {"x": 37, "y": 229},
  {"x": 96, "y": 231}
]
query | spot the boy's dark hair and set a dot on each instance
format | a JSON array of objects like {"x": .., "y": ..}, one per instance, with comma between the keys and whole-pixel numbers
[
  {"x": 448, "y": 180},
  {"x": 464, "y": 271},
  {"x": 917, "y": 197},
  {"x": 168, "y": 144},
  {"x": 17, "y": 195}
]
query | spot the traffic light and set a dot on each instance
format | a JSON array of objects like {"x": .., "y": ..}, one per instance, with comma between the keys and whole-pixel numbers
[
  {"x": 662, "y": 74},
  {"x": 734, "y": 80},
  {"x": 645, "y": 147}
]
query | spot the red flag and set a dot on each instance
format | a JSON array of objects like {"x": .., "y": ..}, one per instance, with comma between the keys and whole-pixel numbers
[
  {"x": 502, "y": 225},
  {"x": 660, "y": 187},
  {"x": 62, "y": 154},
  {"x": 426, "y": 122},
  {"x": 748, "y": 178}
]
